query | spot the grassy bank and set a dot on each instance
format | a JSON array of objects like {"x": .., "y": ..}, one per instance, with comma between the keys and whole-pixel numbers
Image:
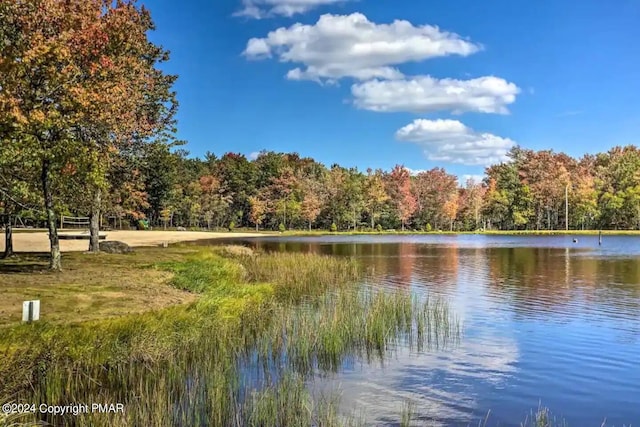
[
  {"x": 90, "y": 287},
  {"x": 284, "y": 316}
]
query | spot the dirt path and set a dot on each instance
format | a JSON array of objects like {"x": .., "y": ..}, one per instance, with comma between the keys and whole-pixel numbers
[{"x": 39, "y": 241}]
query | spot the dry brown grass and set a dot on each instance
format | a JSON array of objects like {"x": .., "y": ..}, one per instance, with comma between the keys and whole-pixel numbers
[{"x": 90, "y": 286}]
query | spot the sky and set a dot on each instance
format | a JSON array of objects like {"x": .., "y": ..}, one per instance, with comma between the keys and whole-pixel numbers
[{"x": 375, "y": 83}]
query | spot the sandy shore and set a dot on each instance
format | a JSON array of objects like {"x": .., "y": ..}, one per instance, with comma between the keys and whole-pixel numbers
[{"x": 39, "y": 241}]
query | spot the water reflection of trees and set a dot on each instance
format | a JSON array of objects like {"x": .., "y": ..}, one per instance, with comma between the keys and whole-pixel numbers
[
  {"x": 531, "y": 279},
  {"x": 551, "y": 279},
  {"x": 400, "y": 263}
]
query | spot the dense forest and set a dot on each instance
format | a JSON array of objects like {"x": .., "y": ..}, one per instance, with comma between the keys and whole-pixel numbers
[
  {"x": 278, "y": 191},
  {"x": 87, "y": 128}
]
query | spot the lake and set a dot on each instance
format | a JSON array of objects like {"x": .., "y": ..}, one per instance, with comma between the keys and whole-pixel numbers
[{"x": 545, "y": 319}]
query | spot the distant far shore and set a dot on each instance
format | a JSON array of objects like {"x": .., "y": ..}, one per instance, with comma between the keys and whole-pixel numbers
[
  {"x": 28, "y": 240},
  {"x": 454, "y": 233}
]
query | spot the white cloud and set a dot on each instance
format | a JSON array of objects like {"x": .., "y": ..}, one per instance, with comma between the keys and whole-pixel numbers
[
  {"x": 414, "y": 172},
  {"x": 477, "y": 179},
  {"x": 254, "y": 155},
  {"x": 340, "y": 46},
  {"x": 258, "y": 9},
  {"x": 425, "y": 94},
  {"x": 453, "y": 142}
]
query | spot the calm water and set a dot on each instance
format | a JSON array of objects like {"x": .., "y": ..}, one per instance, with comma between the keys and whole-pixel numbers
[{"x": 545, "y": 319}]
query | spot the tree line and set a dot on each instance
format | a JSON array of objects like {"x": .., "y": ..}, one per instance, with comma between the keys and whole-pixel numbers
[
  {"x": 87, "y": 129},
  {"x": 532, "y": 190}
]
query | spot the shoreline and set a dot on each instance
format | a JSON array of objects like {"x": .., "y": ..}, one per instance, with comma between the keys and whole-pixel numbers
[
  {"x": 37, "y": 241},
  {"x": 32, "y": 241},
  {"x": 461, "y": 233}
]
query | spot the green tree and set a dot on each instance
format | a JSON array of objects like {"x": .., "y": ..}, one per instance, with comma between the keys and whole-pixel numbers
[
  {"x": 238, "y": 178},
  {"x": 77, "y": 76},
  {"x": 375, "y": 195}
]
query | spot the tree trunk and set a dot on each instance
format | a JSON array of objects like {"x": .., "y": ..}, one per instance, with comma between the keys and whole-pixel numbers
[
  {"x": 475, "y": 226},
  {"x": 256, "y": 227},
  {"x": 54, "y": 261},
  {"x": 8, "y": 238},
  {"x": 355, "y": 221},
  {"x": 94, "y": 222}
]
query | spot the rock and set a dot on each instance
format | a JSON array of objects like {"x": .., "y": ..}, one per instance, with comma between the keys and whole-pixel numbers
[
  {"x": 181, "y": 229},
  {"x": 115, "y": 247}
]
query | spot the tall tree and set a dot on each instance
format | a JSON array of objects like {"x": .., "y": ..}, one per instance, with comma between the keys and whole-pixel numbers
[
  {"x": 76, "y": 77},
  {"x": 258, "y": 210},
  {"x": 213, "y": 201},
  {"x": 471, "y": 200},
  {"x": 399, "y": 189},
  {"x": 375, "y": 195},
  {"x": 433, "y": 189},
  {"x": 546, "y": 174},
  {"x": 237, "y": 176},
  {"x": 313, "y": 198},
  {"x": 509, "y": 201},
  {"x": 450, "y": 209}
]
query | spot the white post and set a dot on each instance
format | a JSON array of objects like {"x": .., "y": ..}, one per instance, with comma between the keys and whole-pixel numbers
[{"x": 31, "y": 311}]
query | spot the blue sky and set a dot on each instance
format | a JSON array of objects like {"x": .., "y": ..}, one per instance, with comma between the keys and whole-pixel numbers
[{"x": 374, "y": 83}]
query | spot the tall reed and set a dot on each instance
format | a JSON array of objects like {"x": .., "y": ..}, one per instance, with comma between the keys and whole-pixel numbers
[
  {"x": 298, "y": 275},
  {"x": 238, "y": 356}
]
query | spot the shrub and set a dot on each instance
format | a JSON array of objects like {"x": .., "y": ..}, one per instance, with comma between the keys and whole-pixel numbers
[
  {"x": 282, "y": 228},
  {"x": 334, "y": 227},
  {"x": 379, "y": 228},
  {"x": 427, "y": 228},
  {"x": 232, "y": 225}
]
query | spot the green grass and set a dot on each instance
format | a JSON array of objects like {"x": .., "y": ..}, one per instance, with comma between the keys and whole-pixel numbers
[
  {"x": 195, "y": 353},
  {"x": 91, "y": 287}
]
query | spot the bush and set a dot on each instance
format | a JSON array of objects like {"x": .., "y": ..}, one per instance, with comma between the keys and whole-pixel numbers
[
  {"x": 427, "y": 228},
  {"x": 232, "y": 225},
  {"x": 334, "y": 227},
  {"x": 282, "y": 228},
  {"x": 379, "y": 228}
]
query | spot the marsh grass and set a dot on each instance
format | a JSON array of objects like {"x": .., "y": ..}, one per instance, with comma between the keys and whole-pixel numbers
[
  {"x": 187, "y": 365},
  {"x": 542, "y": 417},
  {"x": 299, "y": 275},
  {"x": 408, "y": 412},
  {"x": 362, "y": 323}
]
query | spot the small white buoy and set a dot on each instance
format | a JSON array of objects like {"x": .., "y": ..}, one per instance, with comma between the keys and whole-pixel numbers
[
  {"x": 575, "y": 240},
  {"x": 31, "y": 311}
]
